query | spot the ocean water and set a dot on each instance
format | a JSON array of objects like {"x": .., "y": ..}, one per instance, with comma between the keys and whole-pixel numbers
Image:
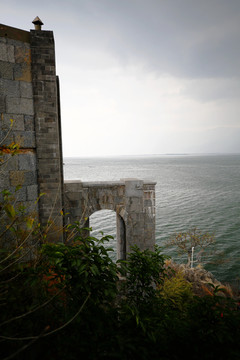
[{"x": 191, "y": 191}]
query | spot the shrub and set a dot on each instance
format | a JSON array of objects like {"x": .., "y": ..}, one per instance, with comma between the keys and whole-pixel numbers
[{"x": 177, "y": 290}]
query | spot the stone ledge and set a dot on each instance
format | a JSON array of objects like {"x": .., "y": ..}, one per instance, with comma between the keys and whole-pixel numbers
[{"x": 121, "y": 182}]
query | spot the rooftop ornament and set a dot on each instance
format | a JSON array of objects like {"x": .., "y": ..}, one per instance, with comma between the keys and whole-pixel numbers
[{"x": 37, "y": 23}]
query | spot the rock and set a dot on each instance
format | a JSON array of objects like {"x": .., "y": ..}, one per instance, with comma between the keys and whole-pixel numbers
[{"x": 203, "y": 282}]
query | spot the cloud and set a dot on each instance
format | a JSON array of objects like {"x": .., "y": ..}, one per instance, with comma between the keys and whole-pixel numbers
[
  {"x": 180, "y": 38},
  {"x": 141, "y": 76},
  {"x": 212, "y": 89}
]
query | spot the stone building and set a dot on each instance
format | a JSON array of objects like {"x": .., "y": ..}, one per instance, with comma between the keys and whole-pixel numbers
[
  {"x": 29, "y": 96},
  {"x": 30, "y": 116}
]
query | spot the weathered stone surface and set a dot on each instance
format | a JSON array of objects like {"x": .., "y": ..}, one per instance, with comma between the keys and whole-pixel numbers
[
  {"x": 21, "y": 194},
  {"x": 3, "y": 52},
  {"x": 22, "y": 72},
  {"x": 17, "y": 178},
  {"x": 9, "y": 88},
  {"x": 6, "y": 137},
  {"x": 10, "y": 163},
  {"x": 135, "y": 222},
  {"x": 4, "y": 180},
  {"x": 29, "y": 123},
  {"x": 2, "y": 104},
  {"x": 30, "y": 177},
  {"x": 10, "y": 53},
  {"x": 26, "y": 89},
  {"x": 6, "y": 70},
  {"x": 16, "y": 105},
  {"x": 26, "y": 139},
  {"x": 13, "y": 120},
  {"x": 32, "y": 192},
  {"x": 27, "y": 161},
  {"x": 134, "y": 188}
]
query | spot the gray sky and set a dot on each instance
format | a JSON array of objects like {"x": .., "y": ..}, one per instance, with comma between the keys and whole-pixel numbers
[{"x": 143, "y": 76}]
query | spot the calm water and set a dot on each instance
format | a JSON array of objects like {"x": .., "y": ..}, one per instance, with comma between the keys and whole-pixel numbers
[{"x": 191, "y": 191}]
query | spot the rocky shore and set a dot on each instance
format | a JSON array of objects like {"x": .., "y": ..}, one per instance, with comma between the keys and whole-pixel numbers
[{"x": 203, "y": 282}]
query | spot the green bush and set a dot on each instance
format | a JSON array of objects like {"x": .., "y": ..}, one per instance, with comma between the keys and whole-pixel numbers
[
  {"x": 70, "y": 303},
  {"x": 177, "y": 290}
]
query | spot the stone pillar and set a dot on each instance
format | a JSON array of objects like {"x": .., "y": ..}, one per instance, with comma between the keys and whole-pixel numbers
[
  {"x": 48, "y": 145},
  {"x": 140, "y": 218}
]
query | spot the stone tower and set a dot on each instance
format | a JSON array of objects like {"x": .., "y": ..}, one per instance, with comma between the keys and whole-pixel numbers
[{"x": 29, "y": 95}]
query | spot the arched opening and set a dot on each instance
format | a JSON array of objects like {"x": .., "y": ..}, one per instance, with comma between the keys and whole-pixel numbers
[
  {"x": 110, "y": 223},
  {"x": 121, "y": 238},
  {"x": 104, "y": 221}
]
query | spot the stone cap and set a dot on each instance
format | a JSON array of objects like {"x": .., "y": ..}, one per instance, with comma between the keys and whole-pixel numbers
[{"x": 120, "y": 182}]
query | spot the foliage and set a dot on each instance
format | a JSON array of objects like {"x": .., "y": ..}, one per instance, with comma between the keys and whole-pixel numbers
[
  {"x": 177, "y": 290},
  {"x": 70, "y": 304},
  {"x": 145, "y": 270},
  {"x": 85, "y": 267},
  {"x": 193, "y": 238}
]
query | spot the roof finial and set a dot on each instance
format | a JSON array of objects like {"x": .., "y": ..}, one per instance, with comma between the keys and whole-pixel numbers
[{"x": 37, "y": 23}]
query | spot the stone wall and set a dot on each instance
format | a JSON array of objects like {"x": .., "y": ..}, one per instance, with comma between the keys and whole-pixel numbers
[
  {"x": 133, "y": 201},
  {"x": 17, "y": 108},
  {"x": 47, "y": 128},
  {"x": 29, "y": 97}
]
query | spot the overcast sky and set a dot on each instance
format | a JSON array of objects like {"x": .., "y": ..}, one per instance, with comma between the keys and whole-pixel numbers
[{"x": 143, "y": 76}]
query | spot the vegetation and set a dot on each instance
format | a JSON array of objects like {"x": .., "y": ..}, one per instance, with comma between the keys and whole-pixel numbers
[
  {"x": 68, "y": 301},
  {"x": 192, "y": 241}
]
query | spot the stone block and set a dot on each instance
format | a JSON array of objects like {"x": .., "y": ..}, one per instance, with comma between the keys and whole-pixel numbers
[
  {"x": 9, "y": 88},
  {"x": 17, "y": 178},
  {"x": 71, "y": 196},
  {"x": 4, "y": 180},
  {"x": 17, "y": 124},
  {"x": 6, "y": 137},
  {"x": 23, "y": 54},
  {"x": 26, "y": 139},
  {"x": 6, "y": 70},
  {"x": 72, "y": 186},
  {"x": 30, "y": 178},
  {"x": 21, "y": 194},
  {"x": 29, "y": 123},
  {"x": 2, "y": 104},
  {"x": 19, "y": 106},
  {"x": 22, "y": 72},
  {"x": 10, "y": 53},
  {"x": 133, "y": 188},
  {"x": 148, "y": 203},
  {"x": 27, "y": 161},
  {"x": 11, "y": 163},
  {"x": 26, "y": 90},
  {"x": 3, "y": 52},
  {"x": 32, "y": 192}
]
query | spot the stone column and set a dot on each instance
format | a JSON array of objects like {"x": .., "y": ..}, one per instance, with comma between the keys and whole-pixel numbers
[
  {"x": 48, "y": 145},
  {"x": 140, "y": 210}
]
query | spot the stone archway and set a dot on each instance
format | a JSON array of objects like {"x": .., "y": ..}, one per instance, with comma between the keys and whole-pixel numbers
[
  {"x": 119, "y": 231},
  {"x": 121, "y": 238},
  {"x": 133, "y": 201}
]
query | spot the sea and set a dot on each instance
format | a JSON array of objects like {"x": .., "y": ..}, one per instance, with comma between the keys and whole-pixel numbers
[{"x": 192, "y": 191}]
